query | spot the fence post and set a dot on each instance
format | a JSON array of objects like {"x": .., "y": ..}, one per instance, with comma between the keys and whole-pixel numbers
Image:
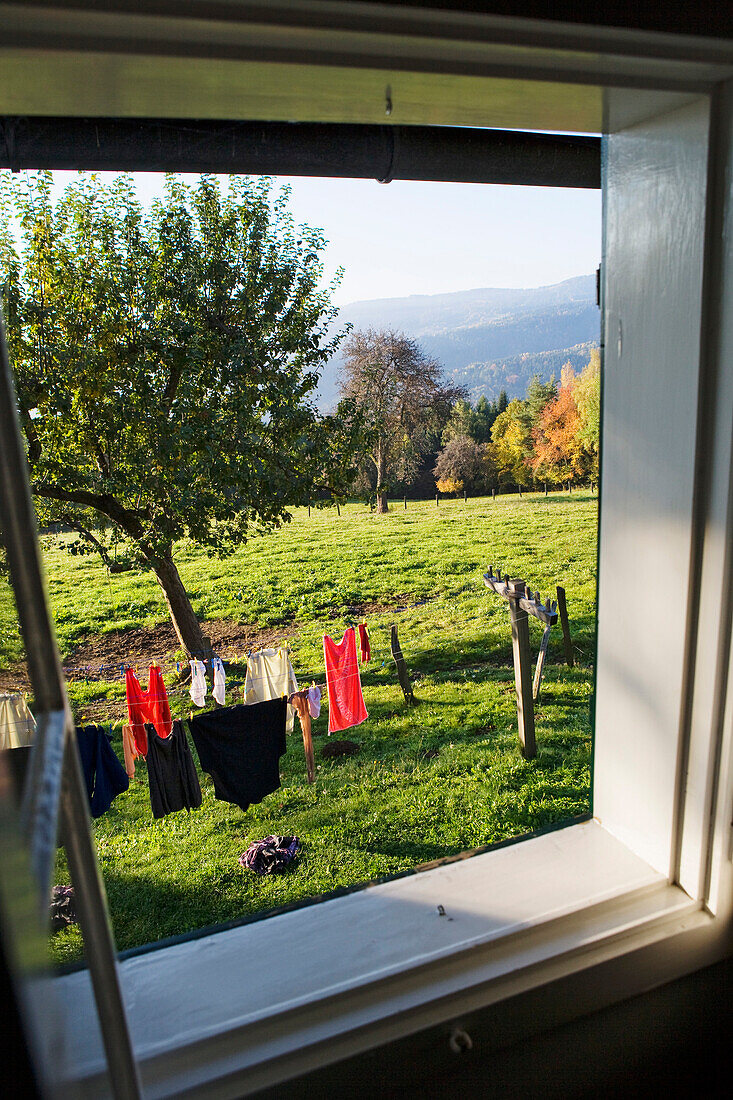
[
  {"x": 563, "y": 609},
  {"x": 437, "y": 499},
  {"x": 405, "y": 503},
  {"x": 522, "y": 673},
  {"x": 402, "y": 673}
]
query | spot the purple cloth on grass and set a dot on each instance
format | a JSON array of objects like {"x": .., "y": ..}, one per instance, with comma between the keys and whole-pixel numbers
[{"x": 273, "y": 853}]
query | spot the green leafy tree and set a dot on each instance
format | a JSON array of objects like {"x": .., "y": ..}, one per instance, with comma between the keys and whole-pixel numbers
[
  {"x": 511, "y": 444},
  {"x": 484, "y": 416},
  {"x": 165, "y": 360},
  {"x": 587, "y": 394},
  {"x": 538, "y": 395},
  {"x": 402, "y": 399},
  {"x": 461, "y": 422}
]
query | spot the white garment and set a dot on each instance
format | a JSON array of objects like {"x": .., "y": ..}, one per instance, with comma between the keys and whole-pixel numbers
[
  {"x": 314, "y": 701},
  {"x": 17, "y": 724},
  {"x": 198, "y": 682},
  {"x": 220, "y": 679},
  {"x": 270, "y": 676}
]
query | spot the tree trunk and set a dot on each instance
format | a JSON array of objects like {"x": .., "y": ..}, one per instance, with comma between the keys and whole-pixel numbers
[
  {"x": 185, "y": 623},
  {"x": 382, "y": 505}
]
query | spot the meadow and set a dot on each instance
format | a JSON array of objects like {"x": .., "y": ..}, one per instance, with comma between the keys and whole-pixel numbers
[{"x": 428, "y": 782}]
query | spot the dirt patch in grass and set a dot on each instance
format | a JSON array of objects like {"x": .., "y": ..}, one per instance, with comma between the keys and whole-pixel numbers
[
  {"x": 100, "y": 656},
  {"x": 140, "y": 646},
  {"x": 377, "y": 607}
]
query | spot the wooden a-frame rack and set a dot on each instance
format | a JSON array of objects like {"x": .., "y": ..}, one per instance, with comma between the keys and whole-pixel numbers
[{"x": 523, "y": 603}]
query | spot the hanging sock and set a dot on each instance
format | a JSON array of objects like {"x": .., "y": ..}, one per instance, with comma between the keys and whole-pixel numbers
[
  {"x": 220, "y": 679},
  {"x": 364, "y": 646},
  {"x": 345, "y": 700},
  {"x": 198, "y": 682}
]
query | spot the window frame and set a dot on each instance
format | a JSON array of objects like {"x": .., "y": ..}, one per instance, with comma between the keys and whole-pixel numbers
[{"x": 668, "y": 103}]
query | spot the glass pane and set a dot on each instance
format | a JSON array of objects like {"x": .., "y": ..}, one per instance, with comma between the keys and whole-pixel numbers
[{"x": 224, "y": 467}]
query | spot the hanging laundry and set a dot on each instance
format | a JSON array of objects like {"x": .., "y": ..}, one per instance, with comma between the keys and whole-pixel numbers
[
  {"x": 130, "y": 751},
  {"x": 345, "y": 700},
  {"x": 17, "y": 724},
  {"x": 240, "y": 747},
  {"x": 269, "y": 676},
  {"x": 198, "y": 682},
  {"x": 273, "y": 853},
  {"x": 299, "y": 700},
  {"x": 104, "y": 776},
  {"x": 220, "y": 680},
  {"x": 314, "y": 701},
  {"x": 149, "y": 706},
  {"x": 174, "y": 784},
  {"x": 364, "y": 646}
]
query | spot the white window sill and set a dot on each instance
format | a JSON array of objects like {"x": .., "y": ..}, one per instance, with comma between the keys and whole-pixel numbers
[{"x": 238, "y": 1010}]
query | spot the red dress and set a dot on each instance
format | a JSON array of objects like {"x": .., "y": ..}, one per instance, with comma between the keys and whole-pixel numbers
[
  {"x": 147, "y": 706},
  {"x": 345, "y": 700}
]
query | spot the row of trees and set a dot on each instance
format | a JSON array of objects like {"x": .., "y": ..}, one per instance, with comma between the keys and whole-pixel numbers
[
  {"x": 410, "y": 416},
  {"x": 550, "y": 437}
]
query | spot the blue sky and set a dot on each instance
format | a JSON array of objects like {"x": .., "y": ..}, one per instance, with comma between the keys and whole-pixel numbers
[{"x": 429, "y": 238}]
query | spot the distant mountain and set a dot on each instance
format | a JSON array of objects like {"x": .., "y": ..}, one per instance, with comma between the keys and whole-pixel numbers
[{"x": 487, "y": 340}]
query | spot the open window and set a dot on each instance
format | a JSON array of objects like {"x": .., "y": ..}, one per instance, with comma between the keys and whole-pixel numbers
[{"x": 644, "y": 888}]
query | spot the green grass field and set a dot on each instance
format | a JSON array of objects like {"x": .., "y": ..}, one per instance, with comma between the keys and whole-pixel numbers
[{"x": 429, "y": 782}]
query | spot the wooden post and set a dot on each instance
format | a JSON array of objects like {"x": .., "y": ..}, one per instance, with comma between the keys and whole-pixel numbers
[
  {"x": 464, "y": 496},
  {"x": 402, "y": 673},
  {"x": 545, "y": 488},
  {"x": 437, "y": 499},
  {"x": 338, "y": 509},
  {"x": 305, "y": 725},
  {"x": 540, "y": 664},
  {"x": 563, "y": 609},
  {"x": 309, "y": 509},
  {"x": 493, "y": 494},
  {"x": 405, "y": 503},
  {"x": 522, "y": 674}
]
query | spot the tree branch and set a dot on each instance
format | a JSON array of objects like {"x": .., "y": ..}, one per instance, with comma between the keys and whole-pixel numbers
[{"x": 101, "y": 502}]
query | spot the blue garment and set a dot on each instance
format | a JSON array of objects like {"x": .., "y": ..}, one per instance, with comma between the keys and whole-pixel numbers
[{"x": 104, "y": 776}]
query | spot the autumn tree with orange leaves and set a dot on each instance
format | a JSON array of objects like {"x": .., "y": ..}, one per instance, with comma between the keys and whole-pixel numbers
[{"x": 560, "y": 453}]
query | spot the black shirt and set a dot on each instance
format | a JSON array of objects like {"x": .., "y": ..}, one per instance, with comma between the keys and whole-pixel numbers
[
  {"x": 174, "y": 784},
  {"x": 240, "y": 747}
]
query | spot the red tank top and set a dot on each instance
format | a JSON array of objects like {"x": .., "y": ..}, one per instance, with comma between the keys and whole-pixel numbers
[{"x": 345, "y": 700}]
